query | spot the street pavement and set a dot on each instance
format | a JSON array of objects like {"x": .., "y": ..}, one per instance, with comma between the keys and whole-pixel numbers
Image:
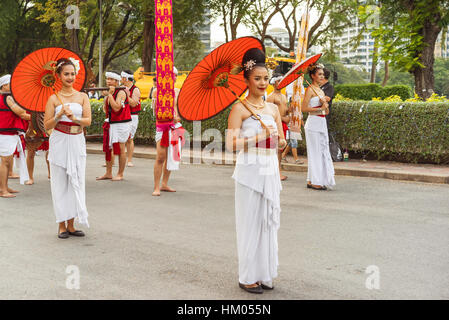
[{"x": 332, "y": 244}]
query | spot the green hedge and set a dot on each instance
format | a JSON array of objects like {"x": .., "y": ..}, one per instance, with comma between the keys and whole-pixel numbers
[
  {"x": 147, "y": 122},
  {"x": 372, "y": 90},
  {"x": 409, "y": 132}
]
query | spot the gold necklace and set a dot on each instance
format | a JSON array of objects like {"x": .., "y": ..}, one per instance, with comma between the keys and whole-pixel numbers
[
  {"x": 258, "y": 107},
  {"x": 67, "y": 95}
]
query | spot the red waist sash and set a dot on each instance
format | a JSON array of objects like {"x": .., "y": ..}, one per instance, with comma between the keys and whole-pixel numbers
[
  {"x": 68, "y": 127},
  {"x": 267, "y": 144},
  {"x": 319, "y": 115}
]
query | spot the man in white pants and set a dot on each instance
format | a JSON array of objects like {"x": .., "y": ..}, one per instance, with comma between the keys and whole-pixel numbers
[
  {"x": 118, "y": 127},
  {"x": 11, "y": 125},
  {"x": 133, "y": 93}
]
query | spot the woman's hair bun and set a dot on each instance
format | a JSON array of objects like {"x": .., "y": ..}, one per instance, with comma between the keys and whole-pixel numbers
[{"x": 254, "y": 57}]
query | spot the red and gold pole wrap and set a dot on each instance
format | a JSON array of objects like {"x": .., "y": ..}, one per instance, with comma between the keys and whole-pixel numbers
[{"x": 164, "y": 65}]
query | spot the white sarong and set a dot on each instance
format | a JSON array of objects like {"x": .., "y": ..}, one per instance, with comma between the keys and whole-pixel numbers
[
  {"x": 257, "y": 208},
  {"x": 119, "y": 132},
  {"x": 134, "y": 125},
  {"x": 320, "y": 169},
  {"x": 67, "y": 157},
  {"x": 8, "y": 145}
]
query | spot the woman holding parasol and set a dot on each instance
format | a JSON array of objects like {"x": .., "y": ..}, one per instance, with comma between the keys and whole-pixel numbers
[
  {"x": 320, "y": 169},
  {"x": 255, "y": 130},
  {"x": 257, "y": 178},
  {"x": 68, "y": 112}
]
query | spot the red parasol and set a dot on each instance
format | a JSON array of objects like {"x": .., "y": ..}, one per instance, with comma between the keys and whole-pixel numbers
[
  {"x": 33, "y": 80},
  {"x": 297, "y": 70},
  {"x": 210, "y": 87}
]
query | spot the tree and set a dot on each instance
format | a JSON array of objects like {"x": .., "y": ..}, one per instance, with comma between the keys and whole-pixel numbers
[
  {"x": 408, "y": 40},
  {"x": 260, "y": 14},
  {"x": 20, "y": 33},
  {"x": 188, "y": 18},
  {"x": 332, "y": 20},
  {"x": 233, "y": 12},
  {"x": 122, "y": 27},
  {"x": 441, "y": 76}
]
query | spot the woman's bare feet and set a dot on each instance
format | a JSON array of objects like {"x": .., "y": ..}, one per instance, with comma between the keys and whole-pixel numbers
[
  {"x": 283, "y": 178},
  {"x": 167, "y": 189},
  {"x": 105, "y": 177},
  {"x": 156, "y": 193},
  {"x": 29, "y": 182},
  {"x": 6, "y": 195},
  {"x": 13, "y": 176},
  {"x": 12, "y": 190},
  {"x": 117, "y": 178},
  {"x": 130, "y": 164}
]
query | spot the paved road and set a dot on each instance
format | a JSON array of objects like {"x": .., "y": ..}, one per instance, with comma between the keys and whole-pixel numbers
[{"x": 183, "y": 245}]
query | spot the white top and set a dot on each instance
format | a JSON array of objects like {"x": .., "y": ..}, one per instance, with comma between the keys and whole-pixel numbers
[
  {"x": 314, "y": 122},
  {"x": 65, "y": 148},
  {"x": 258, "y": 170}
]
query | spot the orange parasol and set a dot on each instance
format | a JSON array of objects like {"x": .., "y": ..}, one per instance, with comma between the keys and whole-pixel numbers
[
  {"x": 34, "y": 81},
  {"x": 210, "y": 86},
  {"x": 297, "y": 70}
]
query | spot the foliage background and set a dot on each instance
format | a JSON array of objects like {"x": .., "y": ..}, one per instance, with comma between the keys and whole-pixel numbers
[{"x": 399, "y": 131}]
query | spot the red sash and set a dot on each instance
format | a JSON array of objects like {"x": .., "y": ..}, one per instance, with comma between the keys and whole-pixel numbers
[
  {"x": 267, "y": 144},
  {"x": 177, "y": 134},
  {"x": 115, "y": 146}
]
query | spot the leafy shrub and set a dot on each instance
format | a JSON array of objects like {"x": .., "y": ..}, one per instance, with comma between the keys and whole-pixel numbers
[
  {"x": 369, "y": 91},
  {"x": 403, "y": 131}
]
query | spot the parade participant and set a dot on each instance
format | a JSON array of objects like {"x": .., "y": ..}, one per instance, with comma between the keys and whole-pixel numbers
[
  {"x": 160, "y": 165},
  {"x": 11, "y": 125},
  {"x": 328, "y": 90},
  {"x": 280, "y": 101},
  {"x": 134, "y": 102},
  {"x": 31, "y": 153},
  {"x": 68, "y": 112},
  {"x": 117, "y": 128},
  {"x": 320, "y": 170},
  {"x": 257, "y": 178},
  {"x": 31, "y": 149}
]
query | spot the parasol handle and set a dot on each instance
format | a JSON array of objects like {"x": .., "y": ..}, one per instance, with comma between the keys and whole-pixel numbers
[
  {"x": 250, "y": 110},
  {"x": 59, "y": 99}
]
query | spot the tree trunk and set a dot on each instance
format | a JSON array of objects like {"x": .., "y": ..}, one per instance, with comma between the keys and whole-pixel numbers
[
  {"x": 149, "y": 32},
  {"x": 387, "y": 74},
  {"x": 74, "y": 43},
  {"x": 424, "y": 78},
  {"x": 374, "y": 64}
]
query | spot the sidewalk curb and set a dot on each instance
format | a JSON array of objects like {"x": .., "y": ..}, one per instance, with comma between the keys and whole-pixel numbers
[{"x": 303, "y": 168}]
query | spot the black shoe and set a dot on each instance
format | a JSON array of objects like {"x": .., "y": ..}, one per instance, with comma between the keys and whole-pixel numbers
[
  {"x": 63, "y": 235},
  {"x": 309, "y": 186},
  {"x": 256, "y": 290},
  {"x": 77, "y": 233},
  {"x": 317, "y": 188},
  {"x": 266, "y": 287}
]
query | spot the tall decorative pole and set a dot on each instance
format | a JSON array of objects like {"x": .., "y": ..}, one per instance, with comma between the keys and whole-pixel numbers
[
  {"x": 298, "y": 87},
  {"x": 100, "y": 49},
  {"x": 164, "y": 65}
]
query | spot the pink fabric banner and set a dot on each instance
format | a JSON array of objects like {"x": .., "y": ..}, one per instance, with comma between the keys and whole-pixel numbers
[{"x": 164, "y": 65}]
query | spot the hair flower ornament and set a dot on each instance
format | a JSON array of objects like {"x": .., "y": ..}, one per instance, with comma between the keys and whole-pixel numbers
[
  {"x": 249, "y": 65},
  {"x": 76, "y": 63}
]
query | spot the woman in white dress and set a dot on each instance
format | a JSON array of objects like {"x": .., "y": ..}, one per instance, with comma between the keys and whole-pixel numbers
[
  {"x": 67, "y": 155},
  {"x": 320, "y": 169},
  {"x": 257, "y": 179}
]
